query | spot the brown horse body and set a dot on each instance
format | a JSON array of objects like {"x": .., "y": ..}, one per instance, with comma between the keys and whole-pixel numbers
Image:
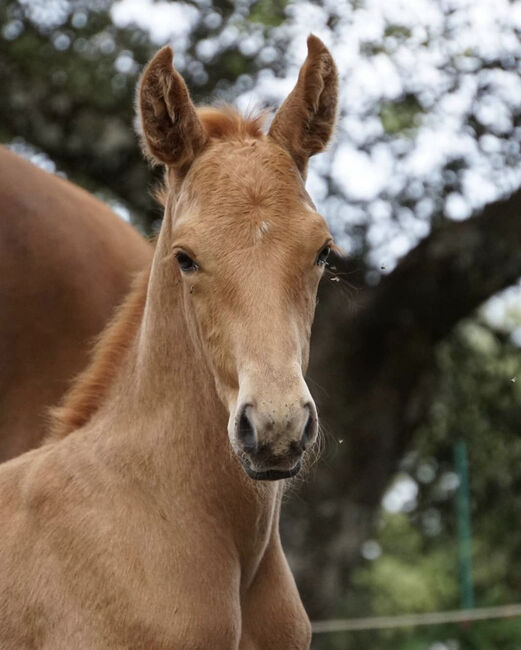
[
  {"x": 65, "y": 261},
  {"x": 141, "y": 528}
]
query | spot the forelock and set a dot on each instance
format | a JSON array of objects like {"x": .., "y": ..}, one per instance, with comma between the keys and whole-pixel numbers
[{"x": 226, "y": 122}]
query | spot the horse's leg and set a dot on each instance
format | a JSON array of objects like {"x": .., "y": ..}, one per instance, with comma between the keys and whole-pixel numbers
[{"x": 272, "y": 613}]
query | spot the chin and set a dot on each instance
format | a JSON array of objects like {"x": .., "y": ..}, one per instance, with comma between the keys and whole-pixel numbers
[{"x": 271, "y": 474}]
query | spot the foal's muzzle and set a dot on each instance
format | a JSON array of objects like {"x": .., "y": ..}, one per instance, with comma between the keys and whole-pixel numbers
[{"x": 271, "y": 449}]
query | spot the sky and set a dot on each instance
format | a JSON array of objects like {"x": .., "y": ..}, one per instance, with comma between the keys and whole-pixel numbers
[
  {"x": 367, "y": 168},
  {"x": 428, "y": 48}
]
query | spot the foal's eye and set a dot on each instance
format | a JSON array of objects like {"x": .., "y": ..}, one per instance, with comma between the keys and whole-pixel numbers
[
  {"x": 186, "y": 263},
  {"x": 323, "y": 255}
]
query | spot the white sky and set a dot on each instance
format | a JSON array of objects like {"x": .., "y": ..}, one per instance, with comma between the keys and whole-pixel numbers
[
  {"x": 166, "y": 21},
  {"x": 368, "y": 168},
  {"x": 364, "y": 165},
  {"x": 476, "y": 28}
]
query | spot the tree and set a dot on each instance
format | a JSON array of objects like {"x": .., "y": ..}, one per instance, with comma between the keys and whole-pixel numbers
[
  {"x": 376, "y": 382},
  {"x": 411, "y": 562}
]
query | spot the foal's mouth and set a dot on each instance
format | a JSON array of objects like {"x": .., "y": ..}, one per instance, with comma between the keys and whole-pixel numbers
[{"x": 271, "y": 474}]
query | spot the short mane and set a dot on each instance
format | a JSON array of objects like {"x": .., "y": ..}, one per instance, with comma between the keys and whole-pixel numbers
[
  {"x": 226, "y": 122},
  {"x": 90, "y": 387},
  {"x": 223, "y": 123}
]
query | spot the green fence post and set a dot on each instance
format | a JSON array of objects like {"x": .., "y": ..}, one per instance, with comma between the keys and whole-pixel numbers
[{"x": 464, "y": 525}]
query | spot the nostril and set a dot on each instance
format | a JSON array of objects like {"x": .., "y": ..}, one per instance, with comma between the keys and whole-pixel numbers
[
  {"x": 246, "y": 432},
  {"x": 309, "y": 430}
]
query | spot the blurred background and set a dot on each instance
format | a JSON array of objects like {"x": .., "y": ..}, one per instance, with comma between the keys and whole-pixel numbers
[{"x": 415, "y": 503}]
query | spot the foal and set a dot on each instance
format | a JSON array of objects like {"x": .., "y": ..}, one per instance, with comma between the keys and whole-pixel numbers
[{"x": 154, "y": 523}]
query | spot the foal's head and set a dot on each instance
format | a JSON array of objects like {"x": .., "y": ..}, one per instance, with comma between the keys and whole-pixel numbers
[{"x": 249, "y": 248}]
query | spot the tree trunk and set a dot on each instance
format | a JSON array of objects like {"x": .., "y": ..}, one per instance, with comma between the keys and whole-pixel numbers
[{"x": 374, "y": 383}]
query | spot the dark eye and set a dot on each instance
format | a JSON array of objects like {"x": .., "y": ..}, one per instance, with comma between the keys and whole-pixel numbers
[
  {"x": 323, "y": 255},
  {"x": 186, "y": 263}
]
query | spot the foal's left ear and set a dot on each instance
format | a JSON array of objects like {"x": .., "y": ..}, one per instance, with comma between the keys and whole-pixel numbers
[
  {"x": 304, "y": 123},
  {"x": 171, "y": 130}
]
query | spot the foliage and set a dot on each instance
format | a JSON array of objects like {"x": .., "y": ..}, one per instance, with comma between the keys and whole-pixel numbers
[
  {"x": 429, "y": 115},
  {"x": 68, "y": 74},
  {"x": 414, "y": 564},
  {"x": 399, "y": 116}
]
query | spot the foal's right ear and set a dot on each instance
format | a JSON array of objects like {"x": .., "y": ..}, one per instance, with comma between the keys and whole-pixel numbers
[
  {"x": 171, "y": 131},
  {"x": 304, "y": 123}
]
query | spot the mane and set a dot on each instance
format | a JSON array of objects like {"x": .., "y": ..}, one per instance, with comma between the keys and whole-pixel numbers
[{"x": 90, "y": 387}]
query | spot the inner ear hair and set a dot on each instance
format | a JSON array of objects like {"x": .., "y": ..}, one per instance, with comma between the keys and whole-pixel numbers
[{"x": 304, "y": 123}]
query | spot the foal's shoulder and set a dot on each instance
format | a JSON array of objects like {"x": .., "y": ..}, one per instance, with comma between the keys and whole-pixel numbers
[{"x": 24, "y": 477}]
